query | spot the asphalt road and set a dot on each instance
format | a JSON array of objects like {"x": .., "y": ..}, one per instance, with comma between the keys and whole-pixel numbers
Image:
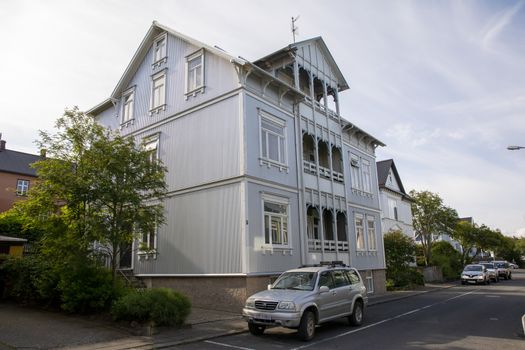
[{"x": 462, "y": 317}]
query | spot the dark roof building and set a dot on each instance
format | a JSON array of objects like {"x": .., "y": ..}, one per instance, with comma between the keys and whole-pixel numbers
[{"x": 16, "y": 175}]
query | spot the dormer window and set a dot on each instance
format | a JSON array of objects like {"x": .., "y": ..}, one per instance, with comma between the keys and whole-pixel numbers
[
  {"x": 159, "y": 50},
  {"x": 195, "y": 73},
  {"x": 128, "y": 104}
]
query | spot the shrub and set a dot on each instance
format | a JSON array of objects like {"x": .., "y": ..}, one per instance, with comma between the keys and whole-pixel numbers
[
  {"x": 162, "y": 306},
  {"x": 87, "y": 288},
  {"x": 449, "y": 259},
  {"x": 19, "y": 275}
]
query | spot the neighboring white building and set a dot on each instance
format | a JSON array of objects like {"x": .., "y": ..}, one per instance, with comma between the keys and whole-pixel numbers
[
  {"x": 395, "y": 202},
  {"x": 263, "y": 174}
]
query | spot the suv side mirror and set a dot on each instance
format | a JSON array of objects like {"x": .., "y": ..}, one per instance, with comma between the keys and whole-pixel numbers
[
  {"x": 323, "y": 289},
  {"x": 269, "y": 287}
]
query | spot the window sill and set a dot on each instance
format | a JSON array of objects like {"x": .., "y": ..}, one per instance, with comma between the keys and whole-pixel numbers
[
  {"x": 269, "y": 163},
  {"x": 157, "y": 109},
  {"x": 285, "y": 250},
  {"x": 362, "y": 193},
  {"x": 158, "y": 64},
  {"x": 147, "y": 255},
  {"x": 194, "y": 92},
  {"x": 127, "y": 123}
]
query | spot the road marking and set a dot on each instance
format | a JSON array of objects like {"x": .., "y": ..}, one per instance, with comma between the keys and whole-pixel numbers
[
  {"x": 227, "y": 345},
  {"x": 383, "y": 321}
]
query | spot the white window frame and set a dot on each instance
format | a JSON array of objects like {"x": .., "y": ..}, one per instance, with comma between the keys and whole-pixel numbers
[
  {"x": 362, "y": 218},
  {"x": 366, "y": 175},
  {"x": 371, "y": 233},
  {"x": 151, "y": 144},
  {"x": 163, "y": 57},
  {"x": 355, "y": 171},
  {"x": 150, "y": 250},
  {"x": 22, "y": 187},
  {"x": 161, "y": 106},
  {"x": 198, "y": 88},
  {"x": 128, "y": 98},
  {"x": 266, "y": 198},
  {"x": 282, "y": 164},
  {"x": 393, "y": 209}
]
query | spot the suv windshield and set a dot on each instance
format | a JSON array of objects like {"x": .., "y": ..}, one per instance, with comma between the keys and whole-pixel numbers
[
  {"x": 488, "y": 265},
  {"x": 473, "y": 268},
  {"x": 296, "y": 281},
  {"x": 502, "y": 265}
]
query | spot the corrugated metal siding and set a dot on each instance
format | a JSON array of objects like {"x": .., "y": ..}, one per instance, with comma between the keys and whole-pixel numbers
[
  {"x": 201, "y": 147},
  {"x": 202, "y": 234},
  {"x": 262, "y": 260},
  {"x": 220, "y": 77},
  {"x": 252, "y": 131}
]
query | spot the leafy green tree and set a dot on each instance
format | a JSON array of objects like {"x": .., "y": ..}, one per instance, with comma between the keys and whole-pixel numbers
[
  {"x": 94, "y": 186},
  {"x": 487, "y": 240},
  {"x": 430, "y": 219},
  {"x": 400, "y": 252},
  {"x": 466, "y": 234},
  {"x": 449, "y": 259}
]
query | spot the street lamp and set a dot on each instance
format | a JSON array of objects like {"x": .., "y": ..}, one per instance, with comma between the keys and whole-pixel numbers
[{"x": 515, "y": 148}]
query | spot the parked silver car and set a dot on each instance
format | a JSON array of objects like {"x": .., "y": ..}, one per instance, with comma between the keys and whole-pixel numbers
[
  {"x": 504, "y": 269},
  {"x": 492, "y": 269},
  {"x": 305, "y": 297},
  {"x": 475, "y": 273}
]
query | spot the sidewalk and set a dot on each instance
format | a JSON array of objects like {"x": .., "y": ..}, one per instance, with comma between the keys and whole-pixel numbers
[{"x": 36, "y": 329}]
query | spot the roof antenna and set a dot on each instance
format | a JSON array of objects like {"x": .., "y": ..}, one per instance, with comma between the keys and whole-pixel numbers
[{"x": 295, "y": 30}]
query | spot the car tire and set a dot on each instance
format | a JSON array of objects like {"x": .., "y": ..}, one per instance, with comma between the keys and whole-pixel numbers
[
  {"x": 510, "y": 276},
  {"x": 256, "y": 329},
  {"x": 487, "y": 282},
  {"x": 356, "y": 318},
  {"x": 307, "y": 326}
]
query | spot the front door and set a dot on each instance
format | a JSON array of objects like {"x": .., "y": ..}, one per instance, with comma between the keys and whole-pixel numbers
[{"x": 125, "y": 256}]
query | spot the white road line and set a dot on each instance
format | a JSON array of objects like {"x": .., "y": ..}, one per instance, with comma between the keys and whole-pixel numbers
[
  {"x": 380, "y": 322},
  {"x": 227, "y": 345}
]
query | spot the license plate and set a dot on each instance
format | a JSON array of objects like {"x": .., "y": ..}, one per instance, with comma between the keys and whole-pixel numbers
[{"x": 265, "y": 317}]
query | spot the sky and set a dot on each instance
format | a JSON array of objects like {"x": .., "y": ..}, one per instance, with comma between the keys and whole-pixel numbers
[{"x": 441, "y": 83}]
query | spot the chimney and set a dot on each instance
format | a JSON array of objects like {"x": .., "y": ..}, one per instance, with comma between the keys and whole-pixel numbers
[{"x": 2, "y": 143}]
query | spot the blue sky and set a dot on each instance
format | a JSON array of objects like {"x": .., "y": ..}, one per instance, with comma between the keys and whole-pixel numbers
[{"x": 440, "y": 82}]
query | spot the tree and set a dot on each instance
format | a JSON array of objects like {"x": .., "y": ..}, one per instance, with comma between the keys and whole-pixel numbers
[
  {"x": 400, "y": 251},
  {"x": 467, "y": 236},
  {"x": 431, "y": 218},
  {"x": 487, "y": 239},
  {"x": 94, "y": 186},
  {"x": 449, "y": 259}
]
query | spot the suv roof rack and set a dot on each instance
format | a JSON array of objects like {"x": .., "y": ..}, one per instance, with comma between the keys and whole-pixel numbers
[{"x": 332, "y": 263}]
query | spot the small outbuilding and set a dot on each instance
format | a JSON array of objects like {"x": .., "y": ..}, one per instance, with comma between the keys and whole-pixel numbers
[{"x": 12, "y": 246}]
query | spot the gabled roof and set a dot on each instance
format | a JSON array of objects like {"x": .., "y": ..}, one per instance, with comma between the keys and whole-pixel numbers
[
  {"x": 155, "y": 29},
  {"x": 17, "y": 162},
  {"x": 352, "y": 128},
  {"x": 343, "y": 85},
  {"x": 383, "y": 169}
]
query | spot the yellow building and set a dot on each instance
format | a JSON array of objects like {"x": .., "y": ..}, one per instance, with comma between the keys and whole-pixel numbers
[{"x": 12, "y": 246}]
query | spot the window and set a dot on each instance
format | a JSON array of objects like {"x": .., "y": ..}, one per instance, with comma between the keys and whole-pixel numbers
[
  {"x": 355, "y": 172},
  {"x": 195, "y": 73},
  {"x": 371, "y": 227},
  {"x": 128, "y": 100},
  {"x": 392, "y": 209},
  {"x": 273, "y": 139},
  {"x": 340, "y": 278},
  {"x": 359, "y": 232},
  {"x": 158, "y": 94},
  {"x": 151, "y": 145},
  {"x": 325, "y": 279},
  {"x": 22, "y": 186},
  {"x": 367, "y": 179},
  {"x": 275, "y": 222},
  {"x": 148, "y": 240},
  {"x": 159, "y": 50},
  {"x": 352, "y": 276}
]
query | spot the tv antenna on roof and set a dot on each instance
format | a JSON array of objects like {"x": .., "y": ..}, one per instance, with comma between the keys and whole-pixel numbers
[{"x": 295, "y": 30}]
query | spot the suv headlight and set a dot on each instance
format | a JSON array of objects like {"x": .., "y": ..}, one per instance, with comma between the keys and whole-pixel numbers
[
  {"x": 286, "y": 305},
  {"x": 250, "y": 303}
]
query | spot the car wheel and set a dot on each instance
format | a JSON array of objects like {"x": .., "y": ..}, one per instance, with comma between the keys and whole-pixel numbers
[
  {"x": 487, "y": 281},
  {"x": 307, "y": 326},
  {"x": 356, "y": 318},
  {"x": 510, "y": 276},
  {"x": 256, "y": 329}
]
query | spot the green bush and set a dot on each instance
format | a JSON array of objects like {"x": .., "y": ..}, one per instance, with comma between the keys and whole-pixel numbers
[
  {"x": 20, "y": 278},
  {"x": 162, "y": 306},
  {"x": 87, "y": 288},
  {"x": 449, "y": 259}
]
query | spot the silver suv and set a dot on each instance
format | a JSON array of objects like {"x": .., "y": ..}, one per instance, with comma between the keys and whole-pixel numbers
[{"x": 304, "y": 297}]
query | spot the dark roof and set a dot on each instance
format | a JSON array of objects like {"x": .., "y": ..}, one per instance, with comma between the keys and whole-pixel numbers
[
  {"x": 17, "y": 162},
  {"x": 383, "y": 168}
]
